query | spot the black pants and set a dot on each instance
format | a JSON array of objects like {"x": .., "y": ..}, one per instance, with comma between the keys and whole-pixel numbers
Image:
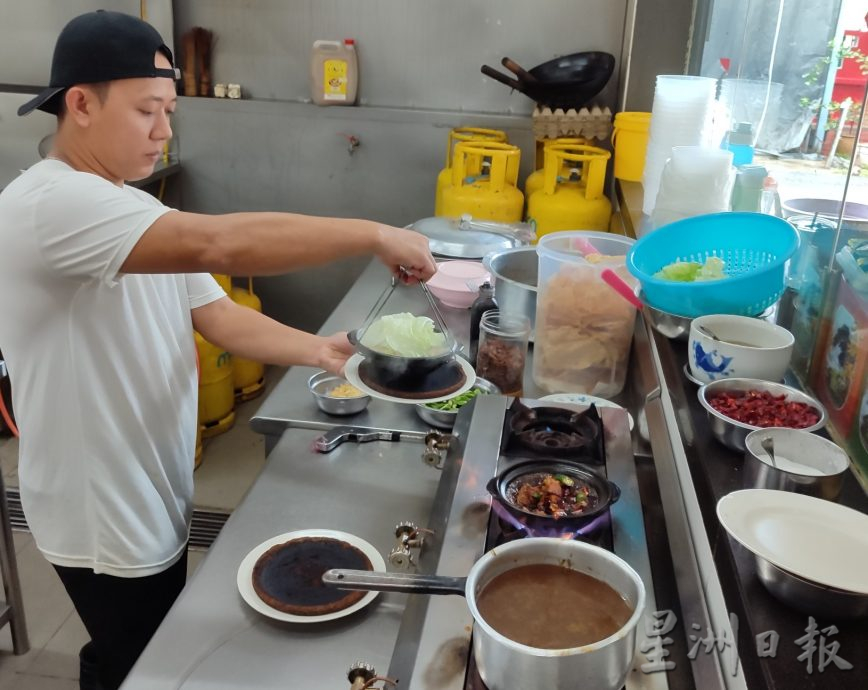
[{"x": 121, "y": 615}]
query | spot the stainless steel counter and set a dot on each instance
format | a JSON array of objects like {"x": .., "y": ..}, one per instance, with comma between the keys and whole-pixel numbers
[
  {"x": 212, "y": 639},
  {"x": 290, "y": 404}
]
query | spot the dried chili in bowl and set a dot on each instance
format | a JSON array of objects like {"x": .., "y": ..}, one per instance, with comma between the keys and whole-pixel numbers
[{"x": 762, "y": 409}]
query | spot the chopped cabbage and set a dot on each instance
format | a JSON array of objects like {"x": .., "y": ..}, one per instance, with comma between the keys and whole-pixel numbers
[
  {"x": 693, "y": 271},
  {"x": 404, "y": 335}
]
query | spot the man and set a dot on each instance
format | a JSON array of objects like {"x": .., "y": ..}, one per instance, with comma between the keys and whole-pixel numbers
[{"x": 101, "y": 287}]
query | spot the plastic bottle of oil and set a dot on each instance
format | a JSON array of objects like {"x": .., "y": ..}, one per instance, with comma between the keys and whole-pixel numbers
[{"x": 334, "y": 72}]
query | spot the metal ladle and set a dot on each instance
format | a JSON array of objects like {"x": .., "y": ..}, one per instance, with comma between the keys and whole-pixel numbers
[{"x": 768, "y": 445}]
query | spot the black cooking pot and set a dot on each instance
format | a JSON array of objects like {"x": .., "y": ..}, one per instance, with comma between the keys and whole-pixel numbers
[
  {"x": 503, "y": 488},
  {"x": 411, "y": 375}
]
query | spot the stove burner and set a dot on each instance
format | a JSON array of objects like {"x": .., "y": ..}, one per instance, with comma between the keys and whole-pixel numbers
[
  {"x": 512, "y": 527},
  {"x": 552, "y": 435},
  {"x": 553, "y": 430}
]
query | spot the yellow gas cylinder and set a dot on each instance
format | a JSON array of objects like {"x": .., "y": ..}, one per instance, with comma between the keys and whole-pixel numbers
[
  {"x": 197, "y": 460},
  {"x": 216, "y": 393},
  {"x": 491, "y": 195},
  {"x": 248, "y": 377},
  {"x": 574, "y": 203},
  {"x": 224, "y": 281},
  {"x": 197, "y": 456},
  {"x": 535, "y": 179},
  {"x": 474, "y": 166}
]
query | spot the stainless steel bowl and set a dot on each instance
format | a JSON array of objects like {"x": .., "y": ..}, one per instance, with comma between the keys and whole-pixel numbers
[
  {"x": 320, "y": 384},
  {"x": 671, "y": 325},
  {"x": 804, "y": 463},
  {"x": 445, "y": 419},
  {"x": 810, "y": 597},
  {"x": 515, "y": 273},
  {"x": 677, "y": 327},
  {"x": 731, "y": 433}
]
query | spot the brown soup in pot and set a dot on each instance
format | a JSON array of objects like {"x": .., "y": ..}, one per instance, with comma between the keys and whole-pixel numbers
[{"x": 552, "y": 607}]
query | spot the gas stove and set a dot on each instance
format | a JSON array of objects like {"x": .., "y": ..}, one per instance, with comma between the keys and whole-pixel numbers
[{"x": 493, "y": 436}]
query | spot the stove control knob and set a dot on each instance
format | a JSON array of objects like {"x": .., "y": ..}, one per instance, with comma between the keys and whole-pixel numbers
[
  {"x": 359, "y": 674},
  {"x": 406, "y": 527},
  {"x": 400, "y": 557},
  {"x": 432, "y": 457}
]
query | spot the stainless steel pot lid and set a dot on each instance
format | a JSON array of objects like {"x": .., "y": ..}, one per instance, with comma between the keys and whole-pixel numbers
[{"x": 460, "y": 238}]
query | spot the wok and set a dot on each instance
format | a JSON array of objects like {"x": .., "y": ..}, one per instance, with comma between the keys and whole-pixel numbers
[{"x": 565, "y": 82}]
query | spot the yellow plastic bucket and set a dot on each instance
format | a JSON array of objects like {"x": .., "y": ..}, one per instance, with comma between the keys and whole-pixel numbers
[{"x": 630, "y": 140}]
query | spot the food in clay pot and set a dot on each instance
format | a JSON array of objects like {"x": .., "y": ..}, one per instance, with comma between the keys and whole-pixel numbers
[{"x": 584, "y": 330}]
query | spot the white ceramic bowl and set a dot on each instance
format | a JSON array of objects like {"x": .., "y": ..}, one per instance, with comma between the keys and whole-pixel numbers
[
  {"x": 748, "y": 348},
  {"x": 456, "y": 283}
]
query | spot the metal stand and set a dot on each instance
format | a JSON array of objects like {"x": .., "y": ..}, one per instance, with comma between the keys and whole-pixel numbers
[{"x": 12, "y": 611}]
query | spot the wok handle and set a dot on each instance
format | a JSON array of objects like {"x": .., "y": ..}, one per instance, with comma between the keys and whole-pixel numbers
[
  {"x": 519, "y": 71},
  {"x": 502, "y": 78},
  {"x": 408, "y": 583}
]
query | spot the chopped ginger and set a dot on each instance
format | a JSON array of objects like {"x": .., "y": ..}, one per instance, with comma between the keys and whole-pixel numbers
[{"x": 345, "y": 390}]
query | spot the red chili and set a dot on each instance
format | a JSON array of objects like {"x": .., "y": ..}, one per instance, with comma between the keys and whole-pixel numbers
[{"x": 762, "y": 409}]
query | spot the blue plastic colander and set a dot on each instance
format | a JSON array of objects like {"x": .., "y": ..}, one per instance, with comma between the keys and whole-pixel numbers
[{"x": 754, "y": 247}]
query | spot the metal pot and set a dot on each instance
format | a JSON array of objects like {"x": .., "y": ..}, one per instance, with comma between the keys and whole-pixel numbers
[
  {"x": 391, "y": 368},
  {"x": 507, "y": 665},
  {"x": 515, "y": 281}
]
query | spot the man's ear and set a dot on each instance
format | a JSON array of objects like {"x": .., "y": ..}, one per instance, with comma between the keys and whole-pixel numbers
[{"x": 80, "y": 103}]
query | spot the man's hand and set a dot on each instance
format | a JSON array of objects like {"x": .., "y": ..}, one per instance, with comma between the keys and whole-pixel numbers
[
  {"x": 334, "y": 352},
  {"x": 399, "y": 248}
]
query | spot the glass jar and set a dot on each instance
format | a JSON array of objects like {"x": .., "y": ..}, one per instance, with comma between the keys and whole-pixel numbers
[{"x": 502, "y": 351}]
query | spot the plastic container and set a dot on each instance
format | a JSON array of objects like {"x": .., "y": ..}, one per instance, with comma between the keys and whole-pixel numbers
[
  {"x": 681, "y": 116},
  {"x": 584, "y": 329},
  {"x": 334, "y": 72},
  {"x": 748, "y": 188},
  {"x": 740, "y": 141},
  {"x": 630, "y": 139},
  {"x": 695, "y": 180}
]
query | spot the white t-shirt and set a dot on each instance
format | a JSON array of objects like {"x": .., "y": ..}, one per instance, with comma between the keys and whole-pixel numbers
[{"x": 103, "y": 371}]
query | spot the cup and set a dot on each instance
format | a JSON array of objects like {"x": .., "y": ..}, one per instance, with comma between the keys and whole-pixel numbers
[
  {"x": 220, "y": 90},
  {"x": 503, "y": 339},
  {"x": 233, "y": 90}
]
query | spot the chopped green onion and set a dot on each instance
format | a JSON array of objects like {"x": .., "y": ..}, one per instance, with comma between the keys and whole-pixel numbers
[
  {"x": 565, "y": 480},
  {"x": 453, "y": 404}
]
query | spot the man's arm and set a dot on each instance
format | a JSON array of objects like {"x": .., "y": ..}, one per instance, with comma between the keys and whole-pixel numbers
[
  {"x": 270, "y": 243},
  {"x": 247, "y": 333}
]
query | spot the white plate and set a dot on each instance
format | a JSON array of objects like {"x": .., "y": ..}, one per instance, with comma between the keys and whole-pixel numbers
[
  {"x": 582, "y": 399},
  {"x": 245, "y": 575},
  {"x": 815, "y": 539},
  {"x": 351, "y": 374}
]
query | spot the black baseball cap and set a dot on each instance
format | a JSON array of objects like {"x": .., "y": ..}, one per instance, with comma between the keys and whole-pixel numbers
[{"x": 97, "y": 47}]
